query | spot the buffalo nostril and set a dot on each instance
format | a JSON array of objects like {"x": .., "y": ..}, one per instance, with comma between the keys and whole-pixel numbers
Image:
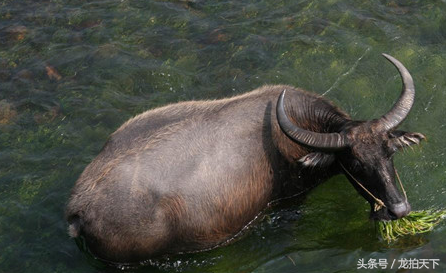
[{"x": 399, "y": 210}]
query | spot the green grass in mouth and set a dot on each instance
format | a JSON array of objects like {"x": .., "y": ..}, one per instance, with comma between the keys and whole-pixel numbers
[{"x": 416, "y": 222}]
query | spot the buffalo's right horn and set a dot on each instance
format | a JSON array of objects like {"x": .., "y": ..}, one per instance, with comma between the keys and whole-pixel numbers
[
  {"x": 320, "y": 141},
  {"x": 401, "y": 108}
]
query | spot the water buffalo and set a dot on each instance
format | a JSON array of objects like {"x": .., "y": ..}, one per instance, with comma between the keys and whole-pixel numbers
[{"x": 190, "y": 176}]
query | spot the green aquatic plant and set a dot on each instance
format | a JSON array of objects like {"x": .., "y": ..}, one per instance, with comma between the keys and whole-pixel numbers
[{"x": 416, "y": 222}]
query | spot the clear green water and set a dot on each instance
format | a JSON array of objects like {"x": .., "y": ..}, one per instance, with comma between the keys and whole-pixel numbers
[{"x": 72, "y": 71}]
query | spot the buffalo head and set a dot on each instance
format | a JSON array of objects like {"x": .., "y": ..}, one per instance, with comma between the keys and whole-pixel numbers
[{"x": 363, "y": 150}]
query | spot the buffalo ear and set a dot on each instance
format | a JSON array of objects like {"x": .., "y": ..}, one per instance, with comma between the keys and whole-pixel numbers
[
  {"x": 317, "y": 159},
  {"x": 401, "y": 139}
]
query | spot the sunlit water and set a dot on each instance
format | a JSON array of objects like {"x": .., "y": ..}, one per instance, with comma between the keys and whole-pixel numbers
[{"x": 72, "y": 71}]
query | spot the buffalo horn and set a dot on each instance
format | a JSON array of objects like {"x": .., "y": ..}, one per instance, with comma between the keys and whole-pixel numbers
[
  {"x": 320, "y": 141},
  {"x": 402, "y": 107}
]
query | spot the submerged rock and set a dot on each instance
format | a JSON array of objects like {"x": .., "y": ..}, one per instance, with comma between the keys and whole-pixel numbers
[
  {"x": 7, "y": 112},
  {"x": 24, "y": 74},
  {"x": 52, "y": 73},
  {"x": 17, "y": 33}
]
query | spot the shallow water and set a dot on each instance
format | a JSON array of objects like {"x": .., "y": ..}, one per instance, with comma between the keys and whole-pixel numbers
[{"x": 72, "y": 71}]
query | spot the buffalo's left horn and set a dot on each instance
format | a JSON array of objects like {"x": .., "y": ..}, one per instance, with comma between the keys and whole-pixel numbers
[
  {"x": 321, "y": 141},
  {"x": 401, "y": 108}
]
